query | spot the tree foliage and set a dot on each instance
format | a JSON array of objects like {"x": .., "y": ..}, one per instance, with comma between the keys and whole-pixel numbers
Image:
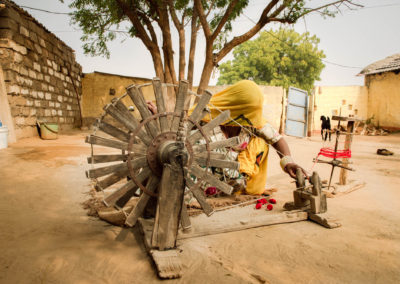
[
  {"x": 281, "y": 58},
  {"x": 152, "y": 22}
]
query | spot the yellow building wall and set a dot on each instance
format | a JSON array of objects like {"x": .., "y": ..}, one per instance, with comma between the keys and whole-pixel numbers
[
  {"x": 96, "y": 93},
  {"x": 330, "y": 100},
  {"x": 384, "y": 99}
]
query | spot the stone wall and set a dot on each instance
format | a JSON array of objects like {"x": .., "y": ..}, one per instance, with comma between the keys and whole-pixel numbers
[{"x": 43, "y": 80}]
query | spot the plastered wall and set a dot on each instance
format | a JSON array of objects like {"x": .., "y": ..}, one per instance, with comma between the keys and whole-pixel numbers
[
  {"x": 330, "y": 100},
  {"x": 384, "y": 99},
  {"x": 100, "y": 88}
]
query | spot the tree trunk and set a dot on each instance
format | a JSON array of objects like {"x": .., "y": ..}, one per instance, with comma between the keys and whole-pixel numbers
[
  {"x": 207, "y": 69},
  {"x": 192, "y": 51}
]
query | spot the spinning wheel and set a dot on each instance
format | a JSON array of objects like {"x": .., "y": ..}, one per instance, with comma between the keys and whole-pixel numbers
[{"x": 161, "y": 156}]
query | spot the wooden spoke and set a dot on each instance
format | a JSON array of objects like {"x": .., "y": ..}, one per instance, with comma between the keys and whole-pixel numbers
[
  {"x": 213, "y": 155},
  {"x": 170, "y": 198},
  {"x": 180, "y": 103},
  {"x": 113, "y": 131},
  {"x": 96, "y": 159},
  {"x": 151, "y": 186},
  {"x": 101, "y": 141},
  {"x": 209, "y": 126},
  {"x": 93, "y": 139},
  {"x": 210, "y": 179},
  {"x": 218, "y": 163},
  {"x": 158, "y": 93},
  {"x": 199, "y": 111},
  {"x": 234, "y": 141},
  {"x": 199, "y": 195},
  {"x": 185, "y": 220},
  {"x": 111, "y": 179},
  {"x": 137, "y": 163},
  {"x": 130, "y": 186},
  {"x": 130, "y": 122},
  {"x": 137, "y": 98}
]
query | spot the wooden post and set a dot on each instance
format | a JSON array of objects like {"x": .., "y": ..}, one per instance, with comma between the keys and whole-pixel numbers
[
  {"x": 310, "y": 113},
  {"x": 347, "y": 146}
]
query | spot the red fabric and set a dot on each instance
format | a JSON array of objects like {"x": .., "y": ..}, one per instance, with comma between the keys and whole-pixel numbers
[
  {"x": 330, "y": 153},
  {"x": 270, "y": 207},
  {"x": 244, "y": 145},
  {"x": 258, "y": 205},
  {"x": 272, "y": 201}
]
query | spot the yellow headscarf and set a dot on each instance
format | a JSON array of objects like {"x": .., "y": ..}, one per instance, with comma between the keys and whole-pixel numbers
[{"x": 245, "y": 102}]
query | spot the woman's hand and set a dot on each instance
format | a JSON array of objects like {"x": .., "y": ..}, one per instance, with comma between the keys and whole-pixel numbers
[
  {"x": 152, "y": 107},
  {"x": 291, "y": 169}
]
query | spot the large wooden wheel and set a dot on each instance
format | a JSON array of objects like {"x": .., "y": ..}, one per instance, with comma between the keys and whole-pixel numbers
[{"x": 162, "y": 154}]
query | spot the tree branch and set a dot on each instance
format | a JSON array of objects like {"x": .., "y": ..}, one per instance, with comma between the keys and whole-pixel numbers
[
  {"x": 224, "y": 19},
  {"x": 327, "y": 5},
  {"x": 203, "y": 19},
  {"x": 264, "y": 19}
]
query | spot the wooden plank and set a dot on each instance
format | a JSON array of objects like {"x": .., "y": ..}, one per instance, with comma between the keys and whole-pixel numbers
[
  {"x": 179, "y": 104},
  {"x": 158, "y": 93},
  {"x": 199, "y": 195},
  {"x": 129, "y": 121},
  {"x": 218, "y": 163},
  {"x": 325, "y": 220},
  {"x": 234, "y": 141},
  {"x": 129, "y": 186},
  {"x": 224, "y": 116},
  {"x": 210, "y": 179},
  {"x": 137, "y": 163},
  {"x": 170, "y": 198},
  {"x": 238, "y": 224},
  {"x": 345, "y": 118},
  {"x": 113, "y": 131},
  {"x": 137, "y": 212},
  {"x": 347, "y": 146},
  {"x": 111, "y": 179},
  {"x": 198, "y": 112},
  {"x": 167, "y": 262},
  {"x": 96, "y": 159},
  {"x": 138, "y": 99}
]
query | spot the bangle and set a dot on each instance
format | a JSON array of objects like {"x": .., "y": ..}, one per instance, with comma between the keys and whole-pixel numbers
[{"x": 286, "y": 160}]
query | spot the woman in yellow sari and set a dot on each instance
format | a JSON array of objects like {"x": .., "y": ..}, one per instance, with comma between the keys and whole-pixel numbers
[{"x": 245, "y": 102}]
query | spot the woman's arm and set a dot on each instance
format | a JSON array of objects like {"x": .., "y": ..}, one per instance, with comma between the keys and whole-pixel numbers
[{"x": 287, "y": 163}]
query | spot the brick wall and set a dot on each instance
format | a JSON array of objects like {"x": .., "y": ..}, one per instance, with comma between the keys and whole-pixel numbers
[{"x": 43, "y": 80}]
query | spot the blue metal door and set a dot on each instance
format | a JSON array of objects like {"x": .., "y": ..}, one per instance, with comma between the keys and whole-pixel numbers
[{"x": 296, "y": 113}]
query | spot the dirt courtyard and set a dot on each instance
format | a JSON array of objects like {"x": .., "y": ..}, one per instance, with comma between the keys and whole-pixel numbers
[{"x": 46, "y": 236}]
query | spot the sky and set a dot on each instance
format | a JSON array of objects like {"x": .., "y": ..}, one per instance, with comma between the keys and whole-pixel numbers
[{"x": 351, "y": 40}]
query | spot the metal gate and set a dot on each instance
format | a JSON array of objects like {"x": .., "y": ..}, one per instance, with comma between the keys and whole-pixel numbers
[{"x": 296, "y": 113}]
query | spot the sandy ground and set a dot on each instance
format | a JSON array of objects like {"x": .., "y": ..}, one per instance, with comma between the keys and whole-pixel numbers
[{"x": 46, "y": 237}]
